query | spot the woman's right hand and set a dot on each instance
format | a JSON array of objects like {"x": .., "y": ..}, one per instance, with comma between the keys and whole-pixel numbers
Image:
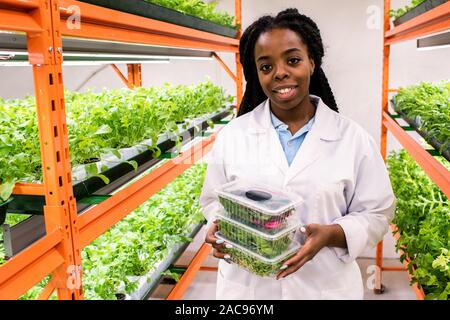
[{"x": 216, "y": 243}]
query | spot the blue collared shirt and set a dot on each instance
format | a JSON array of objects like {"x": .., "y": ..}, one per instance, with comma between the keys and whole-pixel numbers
[{"x": 290, "y": 143}]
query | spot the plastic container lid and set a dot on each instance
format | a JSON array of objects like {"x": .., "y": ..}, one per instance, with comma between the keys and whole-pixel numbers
[
  {"x": 293, "y": 247},
  {"x": 291, "y": 226},
  {"x": 259, "y": 197}
]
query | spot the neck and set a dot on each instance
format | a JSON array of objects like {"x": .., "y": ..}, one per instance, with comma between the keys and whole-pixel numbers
[{"x": 296, "y": 117}]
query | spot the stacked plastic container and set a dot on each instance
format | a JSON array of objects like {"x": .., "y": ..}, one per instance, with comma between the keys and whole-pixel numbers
[{"x": 260, "y": 224}]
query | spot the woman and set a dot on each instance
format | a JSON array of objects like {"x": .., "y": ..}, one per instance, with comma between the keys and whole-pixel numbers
[{"x": 289, "y": 134}]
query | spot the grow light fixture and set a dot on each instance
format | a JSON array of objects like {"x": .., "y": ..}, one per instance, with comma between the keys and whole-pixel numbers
[
  {"x": 82, "y": 55},
  {"x": 100, "y": 62},
  {"x": 20, "y": 59},
  {"x": 436, "y": 41},
  {"x": 99, "y": 51}
]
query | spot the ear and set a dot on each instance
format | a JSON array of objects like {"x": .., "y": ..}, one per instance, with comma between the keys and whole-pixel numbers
[{"x": 313, "y": 65}]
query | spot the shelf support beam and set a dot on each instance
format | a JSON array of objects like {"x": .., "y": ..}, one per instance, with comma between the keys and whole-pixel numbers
[
  {"x": 60, "y": 209},
  {"x": 23, "y": 271},
  {"x": 47, "y": 292},
  {"x": 224, "y": 66},
  {"x": 195, "y": 265},
  {"x": 134, "y": 75},
  {"x": 107, "y": 24},
  {"x": 420, "y": 294},
  {"x": 383, "y": 147},
  {"x": 433, "y": 21},
  {"x": 29, "y": 189},
  {"x": 120, "y": 74},
  {"x": 99, "y": 219},
  {"x": 239, "y": 69},
  {"x": 435, "y": 170}
]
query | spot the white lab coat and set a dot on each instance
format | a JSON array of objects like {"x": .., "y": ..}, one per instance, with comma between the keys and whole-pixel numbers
[{"x": 341, "y": 176}]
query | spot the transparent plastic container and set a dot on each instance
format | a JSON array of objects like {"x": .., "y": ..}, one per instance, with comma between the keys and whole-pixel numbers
[
  {"x": 266, "y": 245},
  {"x": 256, "y": 263},
  {"x": 262, "y": 207}
]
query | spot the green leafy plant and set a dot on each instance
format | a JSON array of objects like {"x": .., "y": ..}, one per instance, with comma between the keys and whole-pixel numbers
[
  {"x": 200, "y": 9},
  {"x": 423, "y": 221},
  {"x": 264, "y": 246},
  {"x": 135, "y": 245},
  {"x": 255, "y": 218},
  {"x": 99, "y": 124},
  {"x": 396, "y": 13},
  {"x": 143, "y": 238},
  {"x": 255, "y": 265},
  {"x": 429, "y": 105}
]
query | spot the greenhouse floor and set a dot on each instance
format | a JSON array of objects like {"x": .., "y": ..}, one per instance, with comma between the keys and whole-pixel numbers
[{"x": 204, "y": 285}]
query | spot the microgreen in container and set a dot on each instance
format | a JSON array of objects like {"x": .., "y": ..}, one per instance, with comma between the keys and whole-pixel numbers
[
  {"x": 262, "y": 207},
  {"x": 266, "y": 245},
  {"x": 256, "y": 263}
]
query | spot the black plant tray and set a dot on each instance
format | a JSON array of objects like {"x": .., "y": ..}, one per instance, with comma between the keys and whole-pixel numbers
[
  {"x": 156, "y": 278},
  {"x": 432, "y": 141},
  {"x": 118, "y": 175},
  {"x": 417, "y": 11},
  {"x": 153, "y": 11},
  {"x": 3, "y": 209}
]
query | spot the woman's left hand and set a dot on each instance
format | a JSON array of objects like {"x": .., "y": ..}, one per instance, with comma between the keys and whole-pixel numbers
[{"x": 318, "y": 236}]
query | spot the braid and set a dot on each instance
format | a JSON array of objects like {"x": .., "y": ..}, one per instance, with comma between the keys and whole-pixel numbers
[
  {"x": 320, "y": 87},
  {"x": 254, "y": 94},
  {"x": 307, "y": 29}
]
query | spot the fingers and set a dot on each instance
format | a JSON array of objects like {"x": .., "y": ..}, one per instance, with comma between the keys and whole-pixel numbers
[
  {"x": 218, "y": 253},
  {"x": 291, "y": 268},
  {"x": 219, "y": 245},
  {"x": 210, "y": 237},
  {"x": 221, "y": 255},
  {"x": 296, "y": 262}
]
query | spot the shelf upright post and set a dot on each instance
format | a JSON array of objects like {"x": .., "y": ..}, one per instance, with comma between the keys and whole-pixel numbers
[
  {"x": 239, "y": 76},
  {"x": 383, "y": 148},
  {"x": 45, "y": 55},
  {"x": 134, "y": 75}
]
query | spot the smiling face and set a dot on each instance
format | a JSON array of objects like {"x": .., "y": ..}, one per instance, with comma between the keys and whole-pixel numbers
[{"x": 284, "y": 68}]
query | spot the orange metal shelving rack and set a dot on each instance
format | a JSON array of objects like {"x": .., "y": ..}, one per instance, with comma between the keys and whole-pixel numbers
[
  {"x": 59, "y": 252},
  {"x": 433, "y": 21}
]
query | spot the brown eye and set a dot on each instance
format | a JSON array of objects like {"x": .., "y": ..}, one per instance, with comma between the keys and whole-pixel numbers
[
  {"x": 265, "y": 68},
  {"x": 293, "y": 60}
]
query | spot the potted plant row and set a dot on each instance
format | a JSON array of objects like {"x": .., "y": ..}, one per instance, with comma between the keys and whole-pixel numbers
[
  {"x": 426, "y": 108},
  {"x": 417, "y": 8},
  {"x": 177, "y": 12}
]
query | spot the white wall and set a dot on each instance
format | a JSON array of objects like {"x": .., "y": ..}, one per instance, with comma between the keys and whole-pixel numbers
[{"x": 353, "y": 60}]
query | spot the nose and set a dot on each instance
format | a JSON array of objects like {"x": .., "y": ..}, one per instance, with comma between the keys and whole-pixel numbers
[{"x": 281, "y": 73}]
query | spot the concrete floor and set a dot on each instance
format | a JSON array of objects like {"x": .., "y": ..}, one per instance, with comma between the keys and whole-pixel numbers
[{"x": 396, "y": 283}]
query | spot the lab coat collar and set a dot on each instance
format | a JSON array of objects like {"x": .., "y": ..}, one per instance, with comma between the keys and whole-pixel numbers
[
  {"x": 324, "y": 130},
  {"x": 325, "y": 123}
]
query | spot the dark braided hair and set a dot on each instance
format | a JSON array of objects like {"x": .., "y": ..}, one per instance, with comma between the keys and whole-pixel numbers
[{"x": 307, "y": 29}]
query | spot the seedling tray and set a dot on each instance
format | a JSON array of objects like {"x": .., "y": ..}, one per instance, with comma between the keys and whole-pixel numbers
[
  {"x": 417, "y": 11},
  {"x": 3, "y": 209},
  {"x": 255, "y": 263},
  {"x": 148, "y": 283},
  {"x": 266, "y": 245},
  {"x": 153, "y": 11},
  {"x": 415, "y": 124},
  {"x": 118, "y": 175}
]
